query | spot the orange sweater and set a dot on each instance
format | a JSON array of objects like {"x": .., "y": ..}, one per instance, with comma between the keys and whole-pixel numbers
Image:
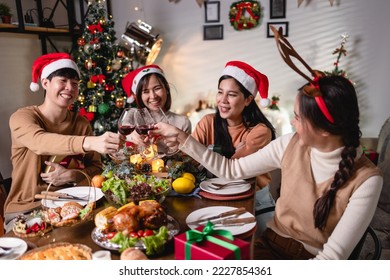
[{"x": 245, "y": 140}]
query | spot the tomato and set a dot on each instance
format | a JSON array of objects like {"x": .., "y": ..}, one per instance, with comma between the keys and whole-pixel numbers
[
  {"x": 133, "y": 234},
  {"x": 148, "y": 232},
  {"x": 111, "y": 234},
  {"x": 140, "y": 233}
]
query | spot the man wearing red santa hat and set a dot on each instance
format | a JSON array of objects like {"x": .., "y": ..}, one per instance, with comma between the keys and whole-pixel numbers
[{"x": 41, "y": 131}]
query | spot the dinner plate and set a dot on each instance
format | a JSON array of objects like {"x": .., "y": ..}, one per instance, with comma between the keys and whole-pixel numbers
[
  {"x": 101, "y": 239},
  {"x": 77, "y": 191},
  {"x": 215, "y": 210},
  {"x": 20, "y": 244},
  {"x": 228, "y": 190}
]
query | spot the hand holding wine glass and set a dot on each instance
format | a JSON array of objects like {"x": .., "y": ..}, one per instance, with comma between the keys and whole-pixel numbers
[
  {"x": 160, "y": 116},
  {"x": 144, "y": 123},
  {"x": 126, "y": 125}
]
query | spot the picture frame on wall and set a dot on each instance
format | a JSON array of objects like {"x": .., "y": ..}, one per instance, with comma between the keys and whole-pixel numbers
[
  {"x": 212, "y": 11},
  {"x": 277, "y": 25},
  {"x": 277, "y": 9},
  {"x": 213, "y": 32}
]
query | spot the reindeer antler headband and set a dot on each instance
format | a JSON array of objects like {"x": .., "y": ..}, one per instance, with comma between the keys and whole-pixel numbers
[{"x": 286, "y": 51}]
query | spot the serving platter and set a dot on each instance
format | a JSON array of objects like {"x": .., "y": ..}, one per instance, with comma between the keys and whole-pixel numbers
[{"x": 103, "y": 241}]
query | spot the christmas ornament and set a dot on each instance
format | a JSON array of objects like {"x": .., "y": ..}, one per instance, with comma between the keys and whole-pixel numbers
[
  {"x": 97, "y": 125},
  {"x": 87, "y": 48},
  {"x": 98, "y": 78},
  {"x": 120, "y": 54},
  {"x": 103, "y": 109},
  {"x": 81, "y": 41},
  {"x": 92, "y": 108},
  {"x": 91, "y": 84},
  {"x": 108, "y": 69},
  {"x": 116, "y": 64},
  {"x": 81, "y": 98},
  {"x": 96, "y": 46},
  {"x": 90, "y": 116},
  {"x": 109, "y": 88},
  {"x": 274, "y": 103},
  {"x": 245, "y": 14},
  {"x": 120, "y": 102}
]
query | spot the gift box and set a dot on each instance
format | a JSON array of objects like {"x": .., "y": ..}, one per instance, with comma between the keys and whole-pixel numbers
[{"x": 205, "y": 243}]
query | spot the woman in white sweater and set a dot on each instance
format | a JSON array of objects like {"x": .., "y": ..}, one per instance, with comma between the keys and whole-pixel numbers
[{"x": 329, "y": 189}]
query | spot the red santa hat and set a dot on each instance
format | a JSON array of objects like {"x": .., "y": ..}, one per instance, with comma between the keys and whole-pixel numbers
[
  {"x": 131, "y": 80},
  {"x": 250, "y": 78},
  {"x": 48, "y": 63}
]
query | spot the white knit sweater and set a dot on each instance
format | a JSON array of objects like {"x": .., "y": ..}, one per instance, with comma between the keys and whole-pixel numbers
[{"x": 360, "y": 209}]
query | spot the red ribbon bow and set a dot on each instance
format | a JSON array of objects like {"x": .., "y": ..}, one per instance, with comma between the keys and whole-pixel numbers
[
  {"x": 93, "y": 28},
  {"x": 98, "y": 78},
  {"x": 88, "y": 115},
  {"x": 244, "y": 6}
]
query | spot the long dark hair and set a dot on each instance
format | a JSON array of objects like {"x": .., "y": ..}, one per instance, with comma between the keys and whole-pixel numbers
[
  {"x": 251, "y": 116},
  {"x": 145, "y": 82},
  {"x": 340, "y": 97}
]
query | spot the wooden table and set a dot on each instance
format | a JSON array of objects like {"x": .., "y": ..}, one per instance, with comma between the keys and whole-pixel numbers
[{"x": 177, "y": 207}]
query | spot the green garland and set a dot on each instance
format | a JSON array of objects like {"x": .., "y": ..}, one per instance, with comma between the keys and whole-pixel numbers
[{"x": 245, "y": 14}]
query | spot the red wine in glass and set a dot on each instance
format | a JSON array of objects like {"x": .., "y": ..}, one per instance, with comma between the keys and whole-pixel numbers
[
  {"x": 126, "y": 129},
  {"x": 144, "y": 128}
]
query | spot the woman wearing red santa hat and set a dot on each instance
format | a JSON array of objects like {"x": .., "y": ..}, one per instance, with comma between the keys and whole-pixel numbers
[
  {"x": 41, "y": 131},
  {"x": 329, "y": 188},
  {"x": 152, "y": 91},
  {"x": 239, "y": 128}
]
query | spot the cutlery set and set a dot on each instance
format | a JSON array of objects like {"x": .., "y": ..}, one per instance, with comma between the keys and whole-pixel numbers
[
  {"x": 225, "y": 218},
  {"x": 217, "y": 186},
  {"x": 60, "y": 196}
]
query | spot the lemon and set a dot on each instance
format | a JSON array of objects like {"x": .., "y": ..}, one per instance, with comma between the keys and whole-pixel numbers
[
  {"x": 189, "y": 176},
  {"x": 183, "y": 185}
]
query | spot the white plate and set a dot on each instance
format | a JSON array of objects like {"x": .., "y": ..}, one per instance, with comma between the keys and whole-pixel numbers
[
  {"x": 77, "y": 191},
  {"x": 215, "y": 210},
  {"x": 13, "y": 242},
  {"x": 229, "y": 190}
]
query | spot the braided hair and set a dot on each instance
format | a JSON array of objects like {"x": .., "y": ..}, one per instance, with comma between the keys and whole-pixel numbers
[
  {"x": 251, "y": 116},
  {"x": 340, "y": 97}
]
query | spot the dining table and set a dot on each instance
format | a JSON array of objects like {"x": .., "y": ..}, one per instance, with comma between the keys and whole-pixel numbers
[{"x": 178, "y": 207}]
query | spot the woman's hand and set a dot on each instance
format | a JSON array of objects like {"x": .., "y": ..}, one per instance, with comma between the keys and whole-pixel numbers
[
  {"x": 137, "y": 139},
  {"x": 172, "y": 135},
  {"x": 109, "y": 142}
]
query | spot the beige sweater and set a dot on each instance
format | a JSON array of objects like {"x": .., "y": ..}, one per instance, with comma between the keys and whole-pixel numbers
[
  {"x": 34, "y": 140},
  {"x": 358, "y": 212}
]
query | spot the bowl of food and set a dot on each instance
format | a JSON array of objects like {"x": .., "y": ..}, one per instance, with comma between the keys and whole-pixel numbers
[{"x": 135, "y": 188}]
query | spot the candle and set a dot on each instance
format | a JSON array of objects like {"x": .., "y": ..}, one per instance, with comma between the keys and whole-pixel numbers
[
  {"x": 156, "y": 164},
  {"x": 136, "y": 159}
]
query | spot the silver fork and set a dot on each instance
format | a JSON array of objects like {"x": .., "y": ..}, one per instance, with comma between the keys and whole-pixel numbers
[
  {"x": 7, "y": 250},
  {"x": 218, "y": 185}
]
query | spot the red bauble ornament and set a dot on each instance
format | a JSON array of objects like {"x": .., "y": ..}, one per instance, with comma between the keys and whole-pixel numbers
[
  {"x": 109, "y": 87},
  {"x": 81, "y": 41},
  {"x": 120, "y": 54},
  {"x": 120, "y": 102}
]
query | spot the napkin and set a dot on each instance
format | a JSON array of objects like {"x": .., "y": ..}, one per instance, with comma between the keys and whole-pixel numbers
[{"x": 195, "y": 193}]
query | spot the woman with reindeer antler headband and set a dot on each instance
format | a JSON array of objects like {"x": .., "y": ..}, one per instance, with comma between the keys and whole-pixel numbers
[{"x": 329, "y": 189}]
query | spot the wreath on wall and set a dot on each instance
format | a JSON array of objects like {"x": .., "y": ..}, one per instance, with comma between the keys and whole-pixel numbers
[{"x": 245, "y": 14}]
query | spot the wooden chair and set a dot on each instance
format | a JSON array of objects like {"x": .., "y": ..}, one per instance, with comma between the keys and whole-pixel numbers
[{"x": 377, "y": 251}]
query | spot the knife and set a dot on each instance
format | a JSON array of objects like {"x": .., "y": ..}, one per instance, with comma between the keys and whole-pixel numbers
[
  {"x": 235, "y": 221},
  {"x": 58, "y": 196},
  {"x": 236, "y": 211}
]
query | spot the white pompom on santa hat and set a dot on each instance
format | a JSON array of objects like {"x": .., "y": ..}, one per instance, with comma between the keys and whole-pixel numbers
[
  {"x": 250, "y": 78},
  {"x": 132, "y": 79},
  {"x": 48, "y": 63}
]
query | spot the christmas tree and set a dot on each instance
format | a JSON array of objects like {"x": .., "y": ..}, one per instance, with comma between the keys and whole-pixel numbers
[{"x": 102, "y": 65}]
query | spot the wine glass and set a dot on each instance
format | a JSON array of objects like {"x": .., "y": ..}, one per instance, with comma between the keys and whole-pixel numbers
[
  {"x": 126, "y": 125},
  {"x": 145, "y": 122},
  {"x": 160, "y": 116}
]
